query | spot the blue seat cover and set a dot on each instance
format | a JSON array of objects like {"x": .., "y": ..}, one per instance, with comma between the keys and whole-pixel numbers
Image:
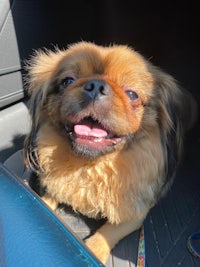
[{"x": 32, "y": 235}]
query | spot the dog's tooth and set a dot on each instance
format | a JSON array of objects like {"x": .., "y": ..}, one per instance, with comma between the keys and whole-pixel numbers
[{"x": 98, "y": 139}]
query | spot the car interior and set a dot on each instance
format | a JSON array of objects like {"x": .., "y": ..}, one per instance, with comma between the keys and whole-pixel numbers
[{"x": 167, "y": 33}]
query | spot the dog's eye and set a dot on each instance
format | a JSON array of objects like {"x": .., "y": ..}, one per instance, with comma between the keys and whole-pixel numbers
[
  {"x": 66, "y": 81},
  {"x": 132, "y": 95}
]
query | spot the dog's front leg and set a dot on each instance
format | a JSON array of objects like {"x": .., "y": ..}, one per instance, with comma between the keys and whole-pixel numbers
[
  {"x": 51, "y": 202},
  {"x": 108, "y": 236}
]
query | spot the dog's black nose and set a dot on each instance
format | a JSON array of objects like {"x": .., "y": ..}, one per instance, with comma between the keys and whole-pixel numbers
[{"x": 96, "y": 89}]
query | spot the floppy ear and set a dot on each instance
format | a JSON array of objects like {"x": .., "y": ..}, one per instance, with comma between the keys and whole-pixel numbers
[
  {"x": 30, "y": 145},
  {"x": 177, "y": 112},
  {"x": 40, "y": 69}
]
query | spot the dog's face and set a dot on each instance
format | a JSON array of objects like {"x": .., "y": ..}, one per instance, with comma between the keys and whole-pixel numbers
[
  {"x": 96, "y": 97},
  {"x": 99, "y": 99}
]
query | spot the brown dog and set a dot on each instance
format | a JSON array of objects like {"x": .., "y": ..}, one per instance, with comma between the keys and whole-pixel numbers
[{"x": 106, "y": 137}]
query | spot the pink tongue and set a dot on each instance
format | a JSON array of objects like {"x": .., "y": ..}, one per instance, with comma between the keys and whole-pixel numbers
[{"x": 86, "y": 128}]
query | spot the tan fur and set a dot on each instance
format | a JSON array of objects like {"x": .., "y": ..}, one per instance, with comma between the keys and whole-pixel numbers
[
  {"x": 103, "y": 182},
  {"x": 123, "y": 183}
]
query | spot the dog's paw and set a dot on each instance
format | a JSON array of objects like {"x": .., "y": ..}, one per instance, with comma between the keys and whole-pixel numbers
[{"x": 99, "y": 247}]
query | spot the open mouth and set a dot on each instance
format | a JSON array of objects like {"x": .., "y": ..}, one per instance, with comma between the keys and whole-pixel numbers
[{"x": 90, "y": 134}]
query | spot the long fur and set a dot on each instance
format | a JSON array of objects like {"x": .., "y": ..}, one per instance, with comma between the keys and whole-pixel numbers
[{"x": 125, "y": 182}]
